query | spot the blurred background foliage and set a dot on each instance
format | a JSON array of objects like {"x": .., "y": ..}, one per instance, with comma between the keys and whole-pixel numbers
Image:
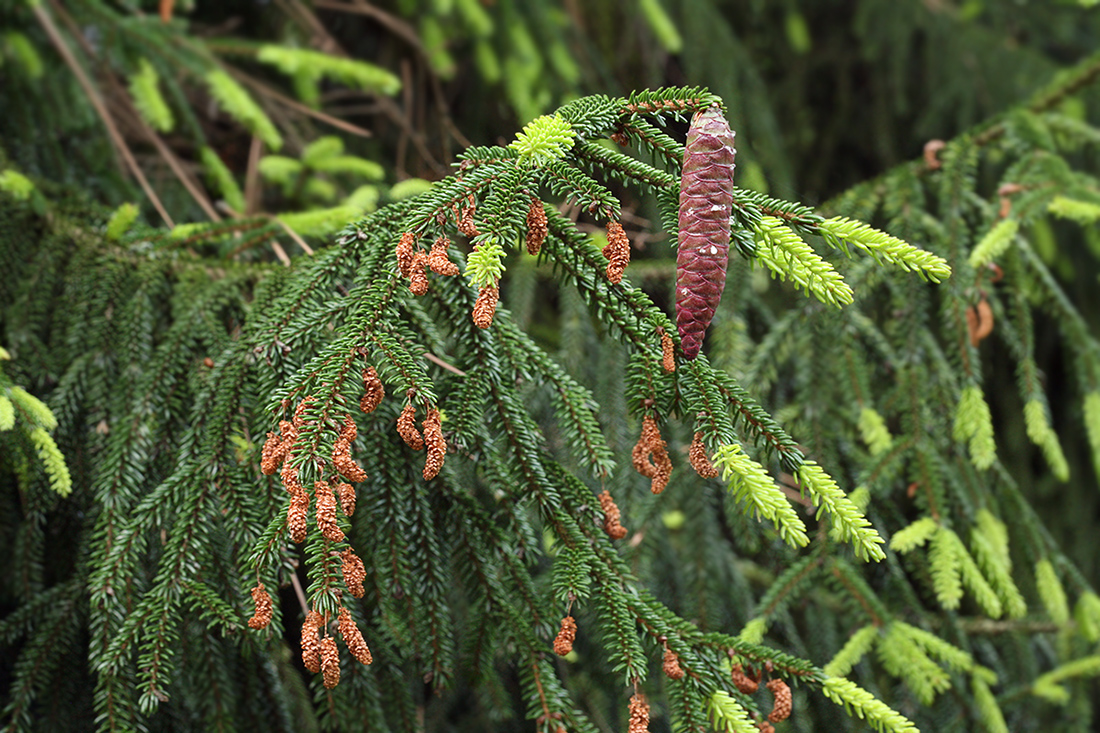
[{"x": 288, "y": 119}]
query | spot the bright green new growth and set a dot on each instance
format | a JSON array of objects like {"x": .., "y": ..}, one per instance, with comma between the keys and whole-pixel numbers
[
  {"x": 25, "y": 54},
  {"x": 1082, "y": 212},
  {"x": 840, "y": 231},
  {"x": 238, "y": 104},
  {"x": 904, "y": 657},
  {"x": 727, "y": 715},
  {"x": 279, "y": 168},
  {"x": 989, "y": 545},
  {"x": 994, "y": 243},
  {"x": 319, "y": 222},
  {"x": 750, "y": 484},
  {"x": 307, "y": 68},
  {"x": 1042, "y": 434},
  {"x": 485, "y": 264},
  {"x": 7, "y": 413},
  {"x": 1092, "y": 426},
  {"x": 855, "y": 649},
  {"x": 52, "y": 461},
  {"x": 33, "y": 408},
  {"x": 974, "y": 423},
  {"x": 1046, "y": 686},
  {"x": 873, "y": 430},
  {"x": 877, "y": 713},
  {"x": 943, "y": 558},
  {"x": 988, "y": 709},
  {"x": 1051, "y": 592},
  {"x": 787, "y": 256},
  {"x": 16, "y": 184},
  {"x": 326, "y": 154},
  {"x": 1087, "y": 616},
  {"x": 221, "y": 179},
  {"x": 150, "y": 103},
  {"x": 543, "y": 139},
  {"x": 754, "y": 630},
  {"x": 121, "y": 220},
  {"x": 848, "y": 522},
  {"x": 914, "y": 536}
]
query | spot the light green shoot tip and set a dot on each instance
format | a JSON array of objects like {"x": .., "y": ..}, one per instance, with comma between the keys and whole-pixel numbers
[{"x": 543, "y": 139}]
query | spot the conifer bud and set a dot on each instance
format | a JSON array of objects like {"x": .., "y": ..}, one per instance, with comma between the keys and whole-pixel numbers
[
  {"x": 563, "y": 642},
  {"x": 485, "y": 306},
  {"x": 273, "y": 453},
  {"x": 697, "y": 456},
  {"x": 781, "y": 710},
  {"x": 330, "y": 662},
  {"x": 745, "y": 684},
  {"x": 650, "y": 456},
  {"x": 671, "y": 665},
  {"x": 261, "y": 617},
  {"x": 611, "y": 517},
  {"x": 668, "y": 356},
  {"x": 537, "y": 227},
  {"x": 617, "y": 251},
  {"x": 418, "y": 275},
  {"x": 353, "y": 638},
  {"x": 296, "y": 515},
  {"x": 346, "y": 493},
  {"x": 639, "y": 714},
  {"x": 311, "y": 647},
  {"x": 438, "y": 261},
  {"x": 373, "y": 391},
  {"x": 351, "y": 567},
  {"x": 405, "y": 252},
  {"x": 437, "y": 446},
  {"x": 406, "y": 427},
  {"x": 326, "y": 513}
]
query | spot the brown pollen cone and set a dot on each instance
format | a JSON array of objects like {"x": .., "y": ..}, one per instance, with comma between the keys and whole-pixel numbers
[
  {"x": 273, "y": 453},
  {"x": 485, "y": 306},
  {"x": 438, "y": 261},
  {"x": 353, "y": 638},
  {"x": 311, "y": 646},
  {"x": 563, "y": 642},
  {"x": 639, "y": 714},
  {"x": 697, "y": 456},
  {"x": 617, "y": 251},
  {"x": 537, "y": 228},
  {"x": 671, "y": 665},
  {"x": 745, "y": 684},
  {"x": 782, "y": 708},
  {"x": 261, "y": 617},
  {"x": 326, "y": 512},
  {"x": 668, "y": 355},
  {"x": 348, "y": 430},
  {"x": 289, "y": 475},
  {"x": 351, "y": 567},
  {"x": 436, "y": 445},
  {"x": 345, "y": 464},
  {"x": 406, "y": 428},
  {"x": 650, "y": 456},
  {"x": 300, "y": 413},
  {"x": 765, "y": 727},
  {"x": 465, "y": 221},
  {"x": 611, "y": 517},
  {"x": 373, "y": 391},
  {"x": 418, "y": 275},
  {"x": 405, "y": 252},
  {"x": 346, "y": 493},
  {"x": 330, "y": 662},
  {"x": 296, "y": 521}
]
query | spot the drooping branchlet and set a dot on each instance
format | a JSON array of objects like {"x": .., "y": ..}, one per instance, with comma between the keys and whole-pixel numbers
[
  {"x": 781, "y": 710},
  {"x": 639, "y": 714},
  {"x": 405, "y": 251},
  {"x": 563, "y": 642},
  {"x": 668, "y": 355},
  {"x": 261, "y": 616},
  {"x": 373, "y": 391},
  {"x": 671, "y": 665},
  {"x": 418, "y": 274},
  {"x": 697, "y": 456},
  {"x": 330, "y": 662},
  {"x": 611, "y": 517},
  {"x": 326, "y": 512},
  {"x": 537, "y": 227},
  {"x": 485, "y": 306},
  {"x": 354, "y": 638},
  {"x": 351, "y": 567},
  {"x": 745, "y": 684},
  {"x": 438, "y": 261},
  {"x": 296, "y": 515},
  {"x": 436, "y": 445},
  {"x": 406, "y": 427},
  {"x": 346, "y": 495},
  {"x": 311, "y": 647},
  {"x": 617, "y": 251},
  {"x": 650, "y": 456}
]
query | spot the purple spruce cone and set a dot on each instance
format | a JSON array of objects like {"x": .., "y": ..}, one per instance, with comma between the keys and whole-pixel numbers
[{"x": 706, "y": 198}]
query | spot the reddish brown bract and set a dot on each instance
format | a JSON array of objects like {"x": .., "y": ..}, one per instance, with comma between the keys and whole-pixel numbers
[{"x": 706, "y": 199}]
